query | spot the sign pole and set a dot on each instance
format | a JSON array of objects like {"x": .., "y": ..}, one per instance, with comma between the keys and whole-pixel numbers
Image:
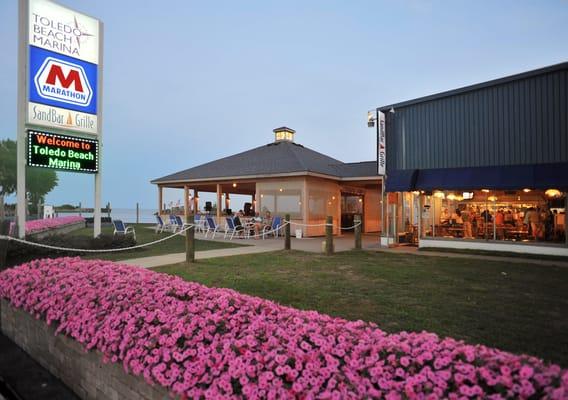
[
  {"x": 21, "y": 134},
  {"x": 98, "y": 175}
]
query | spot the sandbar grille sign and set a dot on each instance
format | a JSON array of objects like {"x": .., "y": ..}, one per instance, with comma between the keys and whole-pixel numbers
[
  {"x": 64, "y": 66},
  {"x": 382, "y": 144},
  {"x": 68, "y": 153}
]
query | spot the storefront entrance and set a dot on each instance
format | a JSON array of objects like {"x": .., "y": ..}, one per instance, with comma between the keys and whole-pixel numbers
[{"x": 351, "y": 205}]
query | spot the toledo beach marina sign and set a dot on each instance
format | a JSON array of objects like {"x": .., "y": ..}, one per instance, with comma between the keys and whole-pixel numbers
[
  {"x": 63, "y": 68},
  {"x": 59, "y": 96}
]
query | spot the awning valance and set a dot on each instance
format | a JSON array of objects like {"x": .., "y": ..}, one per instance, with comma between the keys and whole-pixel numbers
[
  {"x": 510, "y": 177},
  {"x": 402, "y": 180}
]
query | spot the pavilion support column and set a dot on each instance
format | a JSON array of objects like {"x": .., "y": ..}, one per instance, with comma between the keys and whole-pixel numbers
[
  {"x": 227, "y": 201},
  {"x": 218, "y": 202},
  {"x": 195, "y": 201},
  {"x": 186, "y": 201},
  {"x": 160, "y": 199}
]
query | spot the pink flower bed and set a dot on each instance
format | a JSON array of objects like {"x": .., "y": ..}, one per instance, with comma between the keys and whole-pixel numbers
[
  {"x": 40, "y": 225},
  {"x": 204, "y": 342}
]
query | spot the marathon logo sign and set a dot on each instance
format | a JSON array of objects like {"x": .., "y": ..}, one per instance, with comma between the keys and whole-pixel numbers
[
  {"x": 48, "y": 150},
  {"x": 61, "y": 81}
]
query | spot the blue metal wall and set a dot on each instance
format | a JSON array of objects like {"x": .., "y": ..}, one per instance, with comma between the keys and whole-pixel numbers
[{"x": 516, "y": 120}]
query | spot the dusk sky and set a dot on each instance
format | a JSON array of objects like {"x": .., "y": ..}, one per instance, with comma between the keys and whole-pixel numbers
[{"x": 188, "y": 82}]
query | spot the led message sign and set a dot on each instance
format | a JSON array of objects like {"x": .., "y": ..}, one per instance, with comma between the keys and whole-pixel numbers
[{"x": 68, "y": 153}]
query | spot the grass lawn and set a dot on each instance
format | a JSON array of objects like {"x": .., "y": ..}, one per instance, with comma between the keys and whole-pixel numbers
[
  {"x": 145, "y": 235},
  {"x": 515, "y": 307}
]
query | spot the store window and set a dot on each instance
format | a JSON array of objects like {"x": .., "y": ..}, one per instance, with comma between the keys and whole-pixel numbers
[{"x": 518, "y": 215}]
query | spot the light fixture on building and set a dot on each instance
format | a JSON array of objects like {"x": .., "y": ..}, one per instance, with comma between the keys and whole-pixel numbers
[
  {"x": 467, "y": 195},
  {"x": 332, "y": 197},
  {"x": 451, "y": 196},
  {"x": 234, "y": 185},
  {"x": 485, "y": 190},
  {"x": 492, "y": 198},
  {"x": 281, "y": 189},
  {"x": 526, "y": 190},
  {"x": 416, "y": 192},
  {"x": 261, "y": 196},
  {"x": 371, "y": 118},
  {"x": 552, "y": 193},
  {"x": 439, "y": 194},
  {"x": 360, "y": 200}
]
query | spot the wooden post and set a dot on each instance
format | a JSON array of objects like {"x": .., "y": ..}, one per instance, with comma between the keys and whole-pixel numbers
[
  {"x": 186, "y": 201},
  {"x": 160, "y": 200},
  {"x": 137, "y": 213},
  {"x": 357, "y": 224},
  {"x": 4, "y": 230},
  {"x": 218, "y": 203},
  {"x": 195, "y": 201},
  {"x": 190, "y": 240},
  {"x": 329, "y": 235},
  {"x": 287, "y": 239}
]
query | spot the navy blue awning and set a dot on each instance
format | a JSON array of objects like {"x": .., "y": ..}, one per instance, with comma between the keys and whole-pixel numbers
[
  {"x": 510, "y": 177},
  {"x": 402, "y": 180}
]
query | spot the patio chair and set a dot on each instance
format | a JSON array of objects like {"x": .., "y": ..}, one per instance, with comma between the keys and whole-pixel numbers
[
  {"x": 120, "y": 228},
  {"x": 230, "y": 228},
  {"x": 180, "y": 224},
  {"x": 199, "y": 223},
  {"x": 173, "y": 223},
  {"x": 274, "y": 228},
  {"x": 160, "y": 226},
  {"x": 211, "y": 227}
]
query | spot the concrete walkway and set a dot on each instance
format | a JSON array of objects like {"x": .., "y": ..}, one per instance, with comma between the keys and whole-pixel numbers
[{"x": 314, "y": 245}]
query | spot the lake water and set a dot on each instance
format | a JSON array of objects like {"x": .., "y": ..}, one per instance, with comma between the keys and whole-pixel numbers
[{"x": 128, "y": 215}]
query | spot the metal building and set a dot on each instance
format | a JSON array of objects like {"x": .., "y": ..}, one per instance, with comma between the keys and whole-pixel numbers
[{"x": 484, "y": 166}]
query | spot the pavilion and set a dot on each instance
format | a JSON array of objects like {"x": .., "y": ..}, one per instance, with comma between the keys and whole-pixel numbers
[{"x": 284, "y": 177}]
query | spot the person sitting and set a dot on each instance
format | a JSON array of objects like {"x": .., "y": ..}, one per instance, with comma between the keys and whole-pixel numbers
[
  {"x": 238, "y": 224},
  {"x": 258, "y": 225}
]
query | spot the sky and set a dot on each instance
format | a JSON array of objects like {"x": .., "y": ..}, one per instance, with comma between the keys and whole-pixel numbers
[{"x": 187, "y": 82}]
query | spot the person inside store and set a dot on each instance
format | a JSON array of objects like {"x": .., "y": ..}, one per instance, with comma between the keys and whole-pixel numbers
[
  {"x": 456, "y": 218},
  {"x": 466, "y": 216},
  {"x": 486, "y": 216},
  {"x": 499, "y": 217},
  {"x": 532, "y": 220}
]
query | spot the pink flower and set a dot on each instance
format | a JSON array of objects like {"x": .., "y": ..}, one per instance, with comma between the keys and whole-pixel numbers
[{"x": 201, "y": 342}]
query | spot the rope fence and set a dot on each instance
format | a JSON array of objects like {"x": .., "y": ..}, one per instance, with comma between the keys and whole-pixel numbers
[{"x": 190, "y": 240}]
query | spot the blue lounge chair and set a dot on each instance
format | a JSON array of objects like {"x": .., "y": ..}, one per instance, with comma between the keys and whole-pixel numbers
[
  {"x": 160, "y": 226},
  {"x": 274, "y": 228},
  {"x": 230, "y": 228},
  {"x": 180, "y": 224},
  {"x": 211, "y": 227},
  {"x": 120, "y": 228},
  {"x": 173, "y": 223}
]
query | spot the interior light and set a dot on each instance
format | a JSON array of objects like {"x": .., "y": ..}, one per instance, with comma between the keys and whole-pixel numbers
[
  {"x": 332, "y": 197},
  {"x": 492, "y": 198},
  {"x": 451, "y": 196},
  {"x": 281, "y": 189},
  {"x": 360, "y": 200},
  {"x": 234, "y": 185},
  {"x": 485, "y": 190},
  {"x": 467, "y": 195},
  {"x": 552, "y": 193},
  {"x": 526, "y": 190},
  {"x": 439, "y": 194},
  {"x": 416, "y": 192}
]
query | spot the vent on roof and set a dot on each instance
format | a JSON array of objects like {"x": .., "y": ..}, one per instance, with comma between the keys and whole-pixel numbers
[{"x": 284, "y": 134}]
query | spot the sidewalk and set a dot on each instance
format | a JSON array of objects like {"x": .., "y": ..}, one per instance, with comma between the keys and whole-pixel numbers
[{"x": 314, "y": 245}]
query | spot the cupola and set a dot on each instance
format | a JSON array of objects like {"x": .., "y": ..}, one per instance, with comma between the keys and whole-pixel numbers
[{"x": 284, "y": 134}]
